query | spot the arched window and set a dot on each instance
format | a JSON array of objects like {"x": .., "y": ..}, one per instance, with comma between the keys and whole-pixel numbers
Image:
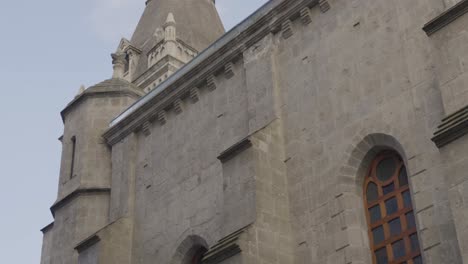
[
  {"x": 190, "y": 251},
  {"x": 198, "y": 256},
  {"x": 391, "y": 223}
]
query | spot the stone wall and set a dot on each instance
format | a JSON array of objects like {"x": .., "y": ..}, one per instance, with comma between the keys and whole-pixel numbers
[
  {"x": 450, "y": 42},
  {"x": 276, "y": 142}
]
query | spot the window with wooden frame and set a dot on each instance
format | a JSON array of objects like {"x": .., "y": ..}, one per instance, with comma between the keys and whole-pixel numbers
[{"x": 391, "y": 223}]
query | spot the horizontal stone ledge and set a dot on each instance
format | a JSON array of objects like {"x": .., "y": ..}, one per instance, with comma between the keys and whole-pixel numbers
[
  {"x": 446, "y": 17},
  {"x": 75, "y": 194},
  {"x": 235, "y": 150},
  {"x": 452, "y": 128},
  {"x": 47, "y": 228},
  {"x": 226, "y": 248},
  {"x": 87, "y": 243}
]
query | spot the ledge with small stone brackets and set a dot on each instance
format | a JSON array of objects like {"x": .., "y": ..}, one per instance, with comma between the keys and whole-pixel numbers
[
  {"x": 446, "y": 17},
  {"x": 268, "y": 19},
  {"x": 224, "y": 249},
  {"x": 452, "y": 128}
]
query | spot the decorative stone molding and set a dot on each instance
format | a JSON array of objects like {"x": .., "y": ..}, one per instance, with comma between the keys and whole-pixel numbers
[
  {"x": 324, "y": 5},
  {"x": 194, "y": 95},
  {"x": 178, "y": 106},
  {"x": 224, "y": 249},
  {"x": 235, "y": 150},
  {"x": 146, "y": 128},
  {"x": 452, "y": 128},
  {"x": 229, "y": 70},
  {"x": 162, "y": 117},
  {"x": 210, "y": 83},
  {"x": 306, "y": 17},
  {"x": 287, "y": 29},
  {"x": 446, "y": 17}
]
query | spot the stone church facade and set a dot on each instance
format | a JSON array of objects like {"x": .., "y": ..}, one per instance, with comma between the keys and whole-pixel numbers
[{"x": 316, "y": 131}]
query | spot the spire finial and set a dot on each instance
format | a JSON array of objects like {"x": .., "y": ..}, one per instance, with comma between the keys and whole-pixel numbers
[
  {"x": 170, "y": 27},
  {"x": 170, "y": 19}
]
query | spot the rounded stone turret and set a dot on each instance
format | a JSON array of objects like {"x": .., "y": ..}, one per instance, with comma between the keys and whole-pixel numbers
[
  {"x": 85, "y": 157},
  {"x": 82, "y": 205}
]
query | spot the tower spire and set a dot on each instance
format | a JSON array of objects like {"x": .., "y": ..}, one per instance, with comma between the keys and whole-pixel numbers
[
  {"x": 198, "y": 22},
  {"x": 170, "y": 33}
]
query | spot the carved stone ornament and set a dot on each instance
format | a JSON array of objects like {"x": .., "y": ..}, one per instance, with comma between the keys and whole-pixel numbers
[
  {"x": 287, "y": 29},
  {"x": 178, "y": 106},
  {"x": 324, "y": 5},
  {"x": 210, "y": 81},
  {"x": 119, "y": 58},
  {"x": 306, "y": 18},
  {"x": 146, "y": 128},
  {"x": 162, "y": 118},
  {"x": 229, "y": 70},
  {"x": 194, "y": 95}
]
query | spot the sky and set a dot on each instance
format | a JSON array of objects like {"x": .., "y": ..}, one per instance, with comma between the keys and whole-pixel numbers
[{"x": 49, "y": 49}]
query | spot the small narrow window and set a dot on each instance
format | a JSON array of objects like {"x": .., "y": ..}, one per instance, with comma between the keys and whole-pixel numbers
[{"x": 73, "y": 154}]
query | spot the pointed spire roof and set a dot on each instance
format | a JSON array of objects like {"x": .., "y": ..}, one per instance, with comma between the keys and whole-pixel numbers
[{"x": 198, "y": 22}]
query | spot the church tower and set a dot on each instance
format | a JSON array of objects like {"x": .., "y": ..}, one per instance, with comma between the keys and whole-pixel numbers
[{"x": 169, "y": 34}]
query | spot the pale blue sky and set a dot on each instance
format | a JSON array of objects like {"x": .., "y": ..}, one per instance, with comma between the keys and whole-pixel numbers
[{"x": 49, "y": 48}]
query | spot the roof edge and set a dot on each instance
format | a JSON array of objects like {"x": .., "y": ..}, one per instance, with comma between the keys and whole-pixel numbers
[{"x": 269, "y": 18}]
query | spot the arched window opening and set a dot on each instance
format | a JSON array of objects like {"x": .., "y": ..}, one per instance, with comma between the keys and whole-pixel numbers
[
  {"x": 391, "y": 223},
  {"x": 198, "y": 256}
]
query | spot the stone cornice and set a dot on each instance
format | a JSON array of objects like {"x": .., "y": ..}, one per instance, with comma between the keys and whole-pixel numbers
[
  {"x": 446, "y": 18},
  {"x": 47, "y": 228},
  {"x": 83, "y": 96},
  {"x": 83, "y": 191},
  {"x": 87, "y": 243},
  {"x": 453, "y": 127},
  {"x": 224, "y": 249},
  {"x": 266, "y": 20},
  {"x": 235, "y": 150}
]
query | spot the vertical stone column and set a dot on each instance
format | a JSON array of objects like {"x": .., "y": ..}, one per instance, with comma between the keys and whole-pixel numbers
[{"x": 119, "y": 60}]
